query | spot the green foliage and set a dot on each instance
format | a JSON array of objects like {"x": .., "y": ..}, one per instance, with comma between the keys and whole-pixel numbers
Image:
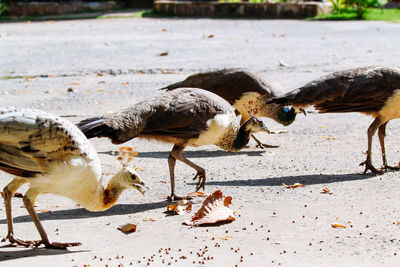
[
  {"x": 359, "y": 7},
  {"x": 3, "y": 7},
  {"x": 369, "y": 14}
]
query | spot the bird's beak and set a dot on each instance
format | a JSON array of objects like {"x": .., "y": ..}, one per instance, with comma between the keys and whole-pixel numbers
[
  {"x": 298, "y": 110},
  {"x": 141, "y": 187},
  {"x": 265, "y": 129}
]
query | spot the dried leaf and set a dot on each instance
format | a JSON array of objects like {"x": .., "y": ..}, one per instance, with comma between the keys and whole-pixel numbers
[
  {"x": 128, "y": 228},
  {"x": 75, "y": 83},
  {"x": 223, "y": 237},
  {"x": 214, "y": 210},
  {"x": 149, "y": 219},
  {"x": 161, "y": 181},
  {"x": 336, "y": 225},
  {"x": 325, "y": 190},
  {"x": 329, "y": 137},
  {"x": 197, "y": 194},
  {"x": 293, "y": 185},
  {"x": 126, "y": 154},
  {"x": 180, "y": 207},
  {"x": 211, "y": 36},
  {"x": 164, "y": 30},
  {"x": 163, "y": 54}
]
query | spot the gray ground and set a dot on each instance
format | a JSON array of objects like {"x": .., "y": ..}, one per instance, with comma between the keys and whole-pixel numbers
[{"x": 112, "y": 63}]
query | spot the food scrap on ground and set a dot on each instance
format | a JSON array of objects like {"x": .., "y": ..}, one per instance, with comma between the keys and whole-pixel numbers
[
  {"x": 325, "y": 190},
  {"x": 128, "y": 228},
  {"x": 295, "y": 185},
  {"x": 337, "y": 225}
]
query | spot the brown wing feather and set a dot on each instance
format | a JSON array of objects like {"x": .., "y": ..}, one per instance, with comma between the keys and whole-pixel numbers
[
  {"x": 230, "y": 84},
  {"x": 361, "y": 89}
]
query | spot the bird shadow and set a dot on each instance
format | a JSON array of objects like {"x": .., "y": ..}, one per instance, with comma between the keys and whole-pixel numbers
[
  {"x": 31, "y": 252},
  {"x": 120, "y": 209},
  {"x": 191, "y": 154},
  {"x": 303, "y": 179}
]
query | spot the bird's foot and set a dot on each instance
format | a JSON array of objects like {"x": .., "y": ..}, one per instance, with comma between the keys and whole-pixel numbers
[
  {"x": 369, "y": 166},
  {"x": 174, "y": 197},
  {"x": 57, "y": 245},
  {"x": 393, "y": 168},
  {"x": 201, "y": 176},
  {"x": 262, "y": 146},
  {"x": 17, "y": 241}
]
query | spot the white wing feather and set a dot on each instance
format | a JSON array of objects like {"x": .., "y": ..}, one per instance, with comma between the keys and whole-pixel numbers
[{"x": 31, "y": 139}]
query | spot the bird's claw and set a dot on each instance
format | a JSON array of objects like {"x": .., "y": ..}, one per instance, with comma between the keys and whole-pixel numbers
[
  {"x": 387, "y": 167},
  {"x": 16, "y": 241},
  {"x": 262, "y": 146},
  {"x": 369, "y": 166},
  {"x": 37, "y": 243},
  {"x": 201, "y": 176},
  {"x": 174, "y": 197},
  {"x": 57, "y": 245}
]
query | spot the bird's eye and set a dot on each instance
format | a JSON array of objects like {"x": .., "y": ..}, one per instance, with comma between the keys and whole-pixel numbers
[{"x": 286, "y": 109}]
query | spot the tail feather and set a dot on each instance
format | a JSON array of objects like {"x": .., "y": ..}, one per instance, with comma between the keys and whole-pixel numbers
[
  {"x": 173, "y": 86},
  {"x": 94, "y": 127}
]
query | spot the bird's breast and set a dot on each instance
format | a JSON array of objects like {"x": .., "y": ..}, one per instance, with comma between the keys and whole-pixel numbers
[
  {"x": 217, "y": 127},
  {"x": 391, "y": 109}
]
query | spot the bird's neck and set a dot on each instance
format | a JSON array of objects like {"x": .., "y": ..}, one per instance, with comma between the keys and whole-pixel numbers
[
  {"x": 235, "y": 138},
  {"x": 100, "y": 198},
  {"x": 242, "y": 138}
]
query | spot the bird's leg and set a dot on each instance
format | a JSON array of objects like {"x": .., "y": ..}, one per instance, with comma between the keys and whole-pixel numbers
[
  {"x": 381, "y": 135},
  {"x": 371, "y": 131},
  {"x": 171, "y": 164},
  {"x": 8, "y": 193},
  {"x": 201, "y": 173},
  {"x": 45, "y": 240},
  {"x": 260, "y": 144}
]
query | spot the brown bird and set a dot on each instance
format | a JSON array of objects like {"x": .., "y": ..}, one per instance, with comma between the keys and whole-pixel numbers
[
  {"x": 372, "y": 90},
  {"x": 247, "y": 91},
  {"x": 183, "y": 117},
  {"x": 53, "y": 156}
]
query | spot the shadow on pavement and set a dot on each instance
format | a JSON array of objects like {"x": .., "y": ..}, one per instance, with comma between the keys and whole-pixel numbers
[
  {"x": 30, "y": 252},
  {"x": 303, "y": 179},
  {"x": 120, "y": 209},
  {"x": 191, "y": 154}
]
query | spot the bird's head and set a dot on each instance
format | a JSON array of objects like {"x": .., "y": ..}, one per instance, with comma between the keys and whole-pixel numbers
[
  {"x": 286, "y": 115},
  {"x": 254, "y": 125},
  {"x": 130, "y": 179}
]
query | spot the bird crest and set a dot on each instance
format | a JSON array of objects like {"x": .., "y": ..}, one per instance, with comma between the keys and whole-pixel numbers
[{"x": 125, "y": 155}]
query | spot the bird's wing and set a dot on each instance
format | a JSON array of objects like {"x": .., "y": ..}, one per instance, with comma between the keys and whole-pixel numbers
[
  {"x": 230, "y": 84},
  {"x": 184, "y": 113},
  {"x": 362, "y": 89},
  {"x": 30, "y": 139}
]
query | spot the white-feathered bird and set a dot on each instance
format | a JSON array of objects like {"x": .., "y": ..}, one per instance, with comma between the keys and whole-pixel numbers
[{"x": 53, "y": 156}]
